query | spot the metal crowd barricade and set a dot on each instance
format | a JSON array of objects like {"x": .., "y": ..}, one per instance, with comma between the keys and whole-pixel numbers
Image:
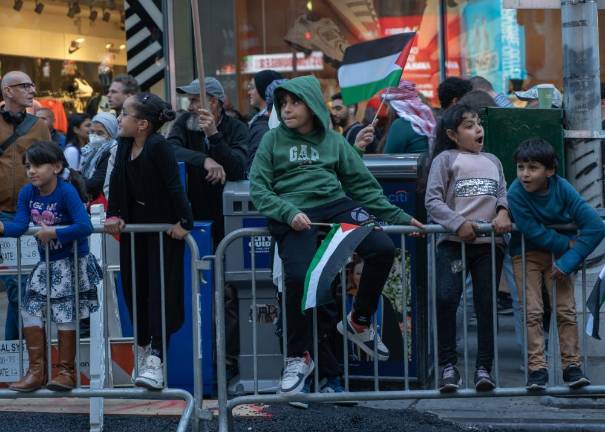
[
  {"x": 262, "y": 396},
  {"x": 193, "y": 410}
]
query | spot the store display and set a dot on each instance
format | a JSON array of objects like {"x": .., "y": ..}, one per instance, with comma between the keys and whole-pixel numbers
[{"x": 322, "y": 35}]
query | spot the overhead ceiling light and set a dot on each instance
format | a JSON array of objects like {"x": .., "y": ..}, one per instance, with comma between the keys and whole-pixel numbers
[
  {"x": 39, "y": 7},
  {"x": 106, "y": 15},
  {"x": 93, "y": 14},
  {"x": 18, "y": 5},
  {"x": 108, "y": 45},
  {"x": 80, "y": 40},
  {"x": 123, "y": 47}
]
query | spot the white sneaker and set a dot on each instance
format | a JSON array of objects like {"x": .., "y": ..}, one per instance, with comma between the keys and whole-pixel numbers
[
  {"x": 365, "y": 339},
  {"x": 151, "y": 375},
  {"x": 142, "y": 353},
  {"x": 295, "y": 373}
]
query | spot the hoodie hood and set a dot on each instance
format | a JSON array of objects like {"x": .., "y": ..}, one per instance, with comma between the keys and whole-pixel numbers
[{"x": 306, "y": 88}]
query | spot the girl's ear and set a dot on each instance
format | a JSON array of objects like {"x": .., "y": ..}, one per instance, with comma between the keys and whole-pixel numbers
[{"x": 452, "y": 135}]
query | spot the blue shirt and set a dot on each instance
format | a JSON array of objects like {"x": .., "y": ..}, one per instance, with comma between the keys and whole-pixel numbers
[
  {"x": 533, "y": 212},
  {"x": 62, "y": 207}
]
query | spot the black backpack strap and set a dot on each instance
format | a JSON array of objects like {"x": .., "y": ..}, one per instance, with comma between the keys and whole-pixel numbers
[{"x": 23, "y": 128}]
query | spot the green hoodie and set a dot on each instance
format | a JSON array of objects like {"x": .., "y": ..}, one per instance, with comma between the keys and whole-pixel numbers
[{"x": 291, "y": 172}]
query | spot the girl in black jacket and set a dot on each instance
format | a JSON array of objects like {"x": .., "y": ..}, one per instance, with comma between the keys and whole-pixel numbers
[{"x": 145, "y": 188}]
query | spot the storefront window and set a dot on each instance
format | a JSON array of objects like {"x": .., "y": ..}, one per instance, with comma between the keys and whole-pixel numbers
[
  {"x": 298, "y": 37},
  {"x": 513, "y": 49},
  {"x": 70, "y": 52}
]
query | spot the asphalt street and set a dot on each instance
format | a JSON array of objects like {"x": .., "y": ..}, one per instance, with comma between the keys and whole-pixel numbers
[{"x": 319, "y": 417}]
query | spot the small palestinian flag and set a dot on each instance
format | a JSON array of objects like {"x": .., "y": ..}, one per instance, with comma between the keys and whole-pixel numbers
[
  {"x": 335, "y": 249},
  {"x": 369, "y": 67},
  {"x": 594, "y": 303}
]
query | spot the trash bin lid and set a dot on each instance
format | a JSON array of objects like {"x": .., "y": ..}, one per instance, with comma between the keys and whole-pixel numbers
[{"x": 394, "y": 165}]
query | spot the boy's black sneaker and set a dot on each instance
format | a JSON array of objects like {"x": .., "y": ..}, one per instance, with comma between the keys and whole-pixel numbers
[
  {"x": 537, "y": 380},
  {"x": 574, "y": 378},
  {"x": 483, "y": 380},
  {"x": 450, "y": 379}
]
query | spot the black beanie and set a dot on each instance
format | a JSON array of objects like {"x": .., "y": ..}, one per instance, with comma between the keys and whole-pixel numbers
[{"x": 262, "y": 80}]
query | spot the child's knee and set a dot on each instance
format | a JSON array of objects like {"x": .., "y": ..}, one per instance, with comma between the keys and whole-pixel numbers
[{"x": 382, "y": 248}]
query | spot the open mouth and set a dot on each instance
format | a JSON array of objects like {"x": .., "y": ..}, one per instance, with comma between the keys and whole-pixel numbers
[{"x": 479, "y": 140}]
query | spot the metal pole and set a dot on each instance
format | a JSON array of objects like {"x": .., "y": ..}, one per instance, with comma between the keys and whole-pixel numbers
[
  {"x": 199, "y": 53},
  {"x": 170, "y": 73},
  {"x": 434, "y": 310},
  {"x": 345, "y": 340},
  {"x": 404, "y": 313},
  {"x": 581, "y": 100},
  {"x": 20, "y": 317},
  {"x": 464, "y": 312},
  {"x": 163, "y": 311},
  {"x": 495, "y": 309},
  {"x": 442, "y": 40},
  {"x": 77, "y": 310},
  {"x": 254, "y": 314}
]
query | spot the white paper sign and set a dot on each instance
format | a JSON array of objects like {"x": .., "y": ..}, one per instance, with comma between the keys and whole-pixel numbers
[
  {"x": 29, "y": 252},
  {"x": 9, "y": 361}
]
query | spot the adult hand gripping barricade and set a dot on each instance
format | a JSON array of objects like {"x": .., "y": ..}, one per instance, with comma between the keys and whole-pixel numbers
[{"x": 501, "y": 384}]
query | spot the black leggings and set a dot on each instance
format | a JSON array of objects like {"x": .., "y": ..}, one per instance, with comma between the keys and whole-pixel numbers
[{"x": 296, "y": 249}]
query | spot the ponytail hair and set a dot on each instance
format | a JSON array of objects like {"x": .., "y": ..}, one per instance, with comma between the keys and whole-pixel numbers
[
  {"x": 154, "y": 109},
  {"x": 48, "y": 152}
]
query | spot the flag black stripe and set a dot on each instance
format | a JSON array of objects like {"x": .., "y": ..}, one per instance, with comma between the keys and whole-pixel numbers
[{"x": 377, "y": 48}]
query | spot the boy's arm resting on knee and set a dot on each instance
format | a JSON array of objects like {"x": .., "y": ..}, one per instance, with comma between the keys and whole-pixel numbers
[
  {"x": 266, "y": 201},
  {"x": 436, "y": 195},
  {"x": 590, "y": 231},
  {"x": 361, "y": 185}
]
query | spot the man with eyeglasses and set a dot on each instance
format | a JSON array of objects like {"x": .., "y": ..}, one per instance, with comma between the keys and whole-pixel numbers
[{"x": 18, "y": 130}]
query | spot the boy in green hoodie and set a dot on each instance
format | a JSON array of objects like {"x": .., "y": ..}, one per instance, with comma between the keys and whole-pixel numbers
[{"x": 302, "y": 173}]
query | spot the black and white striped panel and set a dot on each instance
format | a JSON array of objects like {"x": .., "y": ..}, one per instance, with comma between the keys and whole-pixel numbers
[{"x": 144, "y": 41}]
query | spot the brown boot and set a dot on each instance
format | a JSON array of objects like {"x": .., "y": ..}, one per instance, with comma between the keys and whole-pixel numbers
[
  {"x": 65, "y": 379},
  {"x": 36, "y": 375}
]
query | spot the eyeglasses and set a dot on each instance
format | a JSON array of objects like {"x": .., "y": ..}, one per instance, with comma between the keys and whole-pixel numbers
[{"x": 24, "y": 86}]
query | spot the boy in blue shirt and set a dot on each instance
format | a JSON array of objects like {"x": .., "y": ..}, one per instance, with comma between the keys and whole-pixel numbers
[{"x": 537, "y": 199}]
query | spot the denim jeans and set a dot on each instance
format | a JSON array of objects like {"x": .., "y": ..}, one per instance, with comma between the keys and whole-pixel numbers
[
  {"x": 11, "y": 329},
  {"x": 449, "y": 290}
]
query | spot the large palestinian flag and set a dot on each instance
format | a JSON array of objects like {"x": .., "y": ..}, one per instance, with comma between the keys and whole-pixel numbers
[
  {"x": 335, "y": 249},
  {"x": 369, "y": 67},
  {"x": 594, "y": 303}
]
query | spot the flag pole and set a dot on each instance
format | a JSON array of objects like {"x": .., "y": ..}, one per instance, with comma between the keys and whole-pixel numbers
[
  {"x": 380, "y": 106},
  {"x": 321, "y": 224},
  {"x": 199, "y": 55}
]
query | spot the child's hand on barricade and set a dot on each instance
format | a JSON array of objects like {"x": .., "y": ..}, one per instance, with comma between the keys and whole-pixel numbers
[
  {"x": 114, "y": 225},
  {"x": 416, "y": 223},
  {"x": 502, "y": 223},
  {"x": 177, "y": 232},
  {"x": 46, "y": 234},
  {"x": 466, "y": 232},
  {"x": 557, "y": 274},
  {"x": 300, "y": 222}
]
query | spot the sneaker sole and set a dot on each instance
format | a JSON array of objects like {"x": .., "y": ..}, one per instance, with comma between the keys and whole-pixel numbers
[
  {"x": 148, "y": 384},
  {"x": 582, "y": 382},
  {"x": 484, "y": 385},
  {"x": 353, "y": 338},
  {"x": 299, "y": 404},
  {"x": 536, "y": 387},
  {"x": 449, "y": 388},
  {"x": 300, "y": 386}
]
